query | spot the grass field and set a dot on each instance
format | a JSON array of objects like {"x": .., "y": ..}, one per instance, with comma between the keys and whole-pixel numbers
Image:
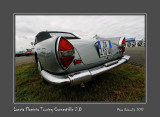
[{"x": 125, "y": 83}]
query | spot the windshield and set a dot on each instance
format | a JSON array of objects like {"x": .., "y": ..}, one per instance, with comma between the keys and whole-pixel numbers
[{"x": 66, "y": 35}]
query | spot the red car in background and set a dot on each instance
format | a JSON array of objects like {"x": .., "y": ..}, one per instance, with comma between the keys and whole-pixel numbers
[{"x": 28, "y": 52}]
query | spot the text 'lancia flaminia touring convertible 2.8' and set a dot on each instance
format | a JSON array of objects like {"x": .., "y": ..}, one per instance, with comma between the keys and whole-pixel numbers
[{"x": 63, "y": 58}]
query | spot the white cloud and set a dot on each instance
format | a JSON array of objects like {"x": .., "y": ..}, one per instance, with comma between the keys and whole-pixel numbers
[{"x": 27, "y": 26}]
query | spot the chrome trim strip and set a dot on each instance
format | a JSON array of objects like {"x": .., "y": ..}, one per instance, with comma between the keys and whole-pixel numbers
[
  {"x": 120, "y": 41},
  {"x": 111, "y": 63},
  {"x": 81, "y": 76}
]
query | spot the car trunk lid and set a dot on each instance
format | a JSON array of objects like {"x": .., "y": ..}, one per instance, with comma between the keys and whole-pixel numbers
[{"x": 89, "y": 50}]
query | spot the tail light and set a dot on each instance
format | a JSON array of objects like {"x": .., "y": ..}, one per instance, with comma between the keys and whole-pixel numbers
[
  {"x": 65, "y": 52},
  {"x": 77, "y": 61},
  {"x": 123, "y": 46}
]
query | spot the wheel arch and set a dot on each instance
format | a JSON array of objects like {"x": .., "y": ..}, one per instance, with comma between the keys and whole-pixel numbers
[{"x": 36, "y": 58}]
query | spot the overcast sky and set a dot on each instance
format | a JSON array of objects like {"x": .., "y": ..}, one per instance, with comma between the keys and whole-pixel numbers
[{"x": 84, "y": 26}]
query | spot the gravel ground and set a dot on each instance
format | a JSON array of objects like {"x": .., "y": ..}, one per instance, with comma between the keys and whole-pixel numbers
[
  {"x": 23, "y": 60},
  {"x": 137, "y": 55}
]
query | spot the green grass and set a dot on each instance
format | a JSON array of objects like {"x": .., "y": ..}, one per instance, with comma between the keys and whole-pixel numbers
[{"x": 125, "y": 83}]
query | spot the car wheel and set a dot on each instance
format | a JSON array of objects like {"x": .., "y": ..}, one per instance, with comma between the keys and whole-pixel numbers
[{"x": 40, "y": 69}]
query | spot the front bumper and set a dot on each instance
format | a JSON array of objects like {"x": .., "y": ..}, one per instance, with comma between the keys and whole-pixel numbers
[{"x": 82, "y": 76}]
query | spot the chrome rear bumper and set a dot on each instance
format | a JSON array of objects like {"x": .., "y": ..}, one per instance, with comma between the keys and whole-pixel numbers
[{"x": 82, "y": 76}]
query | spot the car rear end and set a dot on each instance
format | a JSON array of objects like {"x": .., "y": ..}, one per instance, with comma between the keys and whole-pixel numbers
[{"x": 79, "y": 59}]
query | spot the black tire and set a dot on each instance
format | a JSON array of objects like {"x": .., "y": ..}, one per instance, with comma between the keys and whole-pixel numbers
[{"x": 40, "y": 69}]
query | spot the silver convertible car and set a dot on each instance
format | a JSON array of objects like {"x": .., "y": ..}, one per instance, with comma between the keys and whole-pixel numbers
[{"x": 63, "y": 58}]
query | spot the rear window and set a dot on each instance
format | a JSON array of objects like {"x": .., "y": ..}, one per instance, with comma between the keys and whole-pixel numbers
[
  {"x": 43, "y": 36},
  {"x": 46, "y": 35}
]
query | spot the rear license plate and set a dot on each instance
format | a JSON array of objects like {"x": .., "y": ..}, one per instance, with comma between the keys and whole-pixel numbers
[{"x": 104, "y": 48}]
